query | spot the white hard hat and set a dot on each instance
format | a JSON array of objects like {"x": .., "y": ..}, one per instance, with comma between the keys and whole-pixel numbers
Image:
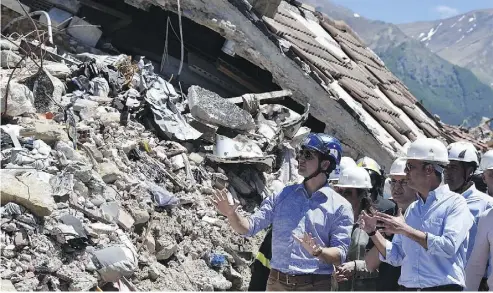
[
  {"x": 487, "y": 161},
  {"x": 463, "y": 151},
  {"x": 428, "y": 149},
  {"x": 398, "y": 167},
  {"x": 354, "y": 177},
  {"x": 346, "y": 162}
]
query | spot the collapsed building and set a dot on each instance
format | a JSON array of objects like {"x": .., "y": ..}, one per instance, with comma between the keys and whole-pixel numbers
[
  {"x": 236, "y": 46},
  {"x": 109, "y": 162}
]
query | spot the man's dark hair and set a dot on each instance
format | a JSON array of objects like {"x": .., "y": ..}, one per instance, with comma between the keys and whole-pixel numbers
[{"x": 366, "y": 201}]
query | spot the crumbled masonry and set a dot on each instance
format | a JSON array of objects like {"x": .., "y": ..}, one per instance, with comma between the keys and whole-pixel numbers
[{"x": 101, "y": 194}]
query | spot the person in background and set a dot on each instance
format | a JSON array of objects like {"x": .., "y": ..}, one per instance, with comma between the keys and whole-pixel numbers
[
  {"x": 487, "y": 168},
  {"x": 311, "y": 223},
  {"x": 430, "y": 241},
  {"x": 403, "y": 195},
  {"x": 377, "y": 181},
  {"x": 464, "y": 160},
  {"x": 482, "y": 251},
  {"x": 354, "y": 185}
]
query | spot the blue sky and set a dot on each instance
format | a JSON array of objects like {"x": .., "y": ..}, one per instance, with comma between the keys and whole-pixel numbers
[{"x": 402, "y": 11}]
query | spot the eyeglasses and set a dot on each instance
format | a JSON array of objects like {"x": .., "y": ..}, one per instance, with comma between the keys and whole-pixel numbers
[
  {"x": 410, "y": 167},
  {"x": 394, "y": 183},
  {"x": 305, "y": 155}
]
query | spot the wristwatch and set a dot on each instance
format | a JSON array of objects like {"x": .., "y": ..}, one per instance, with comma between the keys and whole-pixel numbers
[
  {"x": 372, "y": 233},
  {"x": 317, "y": 251}
]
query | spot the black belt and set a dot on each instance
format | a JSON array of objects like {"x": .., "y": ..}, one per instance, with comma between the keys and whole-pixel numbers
[
  {"x": 297, "y": 279},
  {"x": 450, "y": 287}
]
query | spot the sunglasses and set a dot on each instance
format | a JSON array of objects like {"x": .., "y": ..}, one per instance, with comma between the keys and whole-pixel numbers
[
  {"x": 394, "y": 182},
  {"x": 305, "y": 155}
]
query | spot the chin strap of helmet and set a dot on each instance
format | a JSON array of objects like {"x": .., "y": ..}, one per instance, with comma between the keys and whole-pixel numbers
[{"x": 315, "y": 173}]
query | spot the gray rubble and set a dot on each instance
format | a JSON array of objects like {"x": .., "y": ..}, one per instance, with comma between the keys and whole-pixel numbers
[{"x": 111, "y": 182}]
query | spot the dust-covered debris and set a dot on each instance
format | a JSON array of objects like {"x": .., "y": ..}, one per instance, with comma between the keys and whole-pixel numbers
[{"x": 111, "y": 171}]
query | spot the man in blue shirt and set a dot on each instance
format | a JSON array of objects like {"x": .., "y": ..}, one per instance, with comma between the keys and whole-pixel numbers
[
  {"x": 464, "y": 160},
  {"x": 430, "y": 241},
  {"x": 311, "y": 223}
]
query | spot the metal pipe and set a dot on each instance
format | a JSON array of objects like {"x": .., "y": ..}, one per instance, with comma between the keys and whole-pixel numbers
[{"x": 34, "y": 13}]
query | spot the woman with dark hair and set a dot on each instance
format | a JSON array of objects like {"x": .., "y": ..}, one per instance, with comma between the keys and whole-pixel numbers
[{"x": 354, "y": 185}]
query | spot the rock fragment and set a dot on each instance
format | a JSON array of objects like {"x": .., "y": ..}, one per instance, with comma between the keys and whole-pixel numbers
[
  {"x": 211, "y": 108},
  {"x": 29, "y": 189}
]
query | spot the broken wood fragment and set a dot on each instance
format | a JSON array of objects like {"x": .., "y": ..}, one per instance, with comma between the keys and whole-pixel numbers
[{"x": 269, "y": 96}]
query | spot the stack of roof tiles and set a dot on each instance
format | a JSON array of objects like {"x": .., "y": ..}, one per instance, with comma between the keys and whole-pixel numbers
[{"x": 337, "y": 54}]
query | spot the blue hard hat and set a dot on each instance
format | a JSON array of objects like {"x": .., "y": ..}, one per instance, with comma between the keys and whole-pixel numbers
[{"x": 324, "y": 144}]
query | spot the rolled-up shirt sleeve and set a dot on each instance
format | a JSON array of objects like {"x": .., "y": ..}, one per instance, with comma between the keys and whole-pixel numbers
[
  {"x": 394, "y": 255},
  {"x": 456, "y": 227},
  {"x": 262, "y": 218},
  {"x": 340, "y": 235}
]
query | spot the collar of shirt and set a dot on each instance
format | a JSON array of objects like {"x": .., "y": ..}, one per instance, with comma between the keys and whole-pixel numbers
[
  {"x": 471, "y": 190},
  {"x": 435, "y": 194},
  {"x": 301, "y": 187}
]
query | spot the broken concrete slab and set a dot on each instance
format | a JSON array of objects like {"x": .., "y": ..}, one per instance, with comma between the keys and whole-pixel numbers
[
  {"x": 7, "y": 286},
  {"x": 96, "y": 153},
  {"x": 82, "y": 30},
  {"x": 125, "y": 220},
  {"x": 20, "y": 99},
  {"x": 46, "y": 130},
  {"x": 57, "y": 69},
  {"x": 30, "y": 189},
  {"x": 9, "y": 59},
  {"x": 140, "y": 216},
  {"x": 21, "y": 239},
  {"x": 166, "y": 247},
  {"x": 211, "y": 108},
  {"x": 240, "y": 150},
  {"x": 109, "y": 172},
  {"x": 82, "y": 104}
]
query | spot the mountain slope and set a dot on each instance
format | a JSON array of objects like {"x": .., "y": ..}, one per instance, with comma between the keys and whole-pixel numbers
[
  {"x": 465, "y": 40},
  {"x": 452, "y": 92}
]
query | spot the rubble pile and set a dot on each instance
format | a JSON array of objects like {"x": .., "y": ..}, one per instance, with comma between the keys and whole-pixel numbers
[{"x": 107, "y": 177}]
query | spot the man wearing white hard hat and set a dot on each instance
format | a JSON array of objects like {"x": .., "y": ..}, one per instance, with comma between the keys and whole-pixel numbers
[
  {"x": 430, "y": 241},
  {"x": 479, "y": 265},
  {"x": 354, "y": 185},
  {"x": 464, "y": 160},
  {"x": 403, "y": 195},
  {"x": 487, "y": 167}
]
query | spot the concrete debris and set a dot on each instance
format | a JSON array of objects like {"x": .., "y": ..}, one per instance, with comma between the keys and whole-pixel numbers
[
  {"x": 20, "y": 99},
  {"x": 7, "y": 286},
  {"x": 30, "y": 189},
  {"x": 209, "y": 107},
  {"x": 111, "y": 181},
  {"x": 10, "y": 59},
  {"x": 56, "y": 69},
  {"x": 109, "y": 172}
]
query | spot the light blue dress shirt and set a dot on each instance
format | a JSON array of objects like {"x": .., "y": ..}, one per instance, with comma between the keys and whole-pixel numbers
[
  {"x": 329, "y": 217},
  {"x": 477, "y": 202},
  {"x": 446, "y": 219}
]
